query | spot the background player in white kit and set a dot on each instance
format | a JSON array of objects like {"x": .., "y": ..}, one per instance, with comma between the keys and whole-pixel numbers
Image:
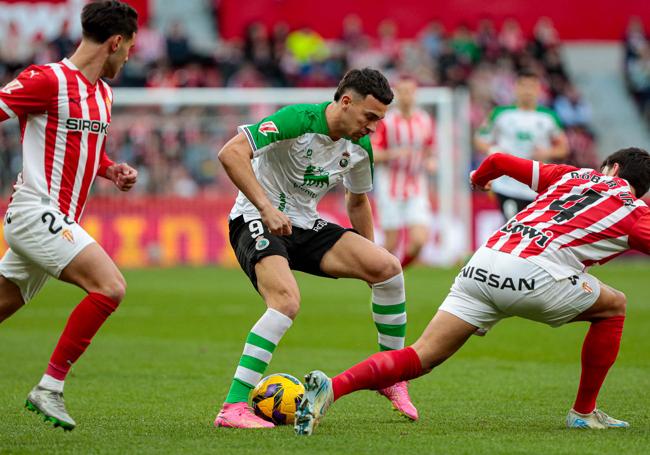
[
  {"x": 533, "y": 267},
  {"x": 403, "y": 145},
  {"x": 64, "y": 111},
  {"x": 527, "y": 130}
]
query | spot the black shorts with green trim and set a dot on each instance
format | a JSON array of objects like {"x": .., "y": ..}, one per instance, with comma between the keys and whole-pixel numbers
[{"x": 303, "y": 249}]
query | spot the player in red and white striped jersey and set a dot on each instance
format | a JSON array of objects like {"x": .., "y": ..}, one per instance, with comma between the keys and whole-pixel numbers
[
  {"x": 403, "y": 145},
  {"x": 533, "y": 267},
  {"x": 64, "y": 110}
]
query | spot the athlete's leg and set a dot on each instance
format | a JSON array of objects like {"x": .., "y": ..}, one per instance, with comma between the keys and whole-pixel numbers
[
  {"x": 599, "y": 351},
  {"x": 280, "y": 292},
  {"x": 444, "y": 335},
  {"x": 356, "y": 257},
  {"x": 416, "y": 239},
  {"x": 94, "y": 271},
  {"x": 11, "y": 299}
]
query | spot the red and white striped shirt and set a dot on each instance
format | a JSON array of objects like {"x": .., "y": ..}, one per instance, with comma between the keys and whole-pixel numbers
[
  {"x": 404, "y": 176},
  {"x": 64, "y": 122},
  {"x": 580, "y": 217}
]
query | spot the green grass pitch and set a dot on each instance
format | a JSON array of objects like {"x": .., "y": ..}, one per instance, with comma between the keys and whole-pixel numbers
[{"x": 157, "y": 372}]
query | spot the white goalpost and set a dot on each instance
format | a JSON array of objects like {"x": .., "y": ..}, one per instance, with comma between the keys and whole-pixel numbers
[{"x": 451, "y": 234}]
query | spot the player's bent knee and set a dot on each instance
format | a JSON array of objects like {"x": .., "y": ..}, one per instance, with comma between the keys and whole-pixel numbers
[
  {"x": 285, "y": 301},
  {"x": 383, "y": 269},
  {"x": 619, "y": 305},
  {"x": 114, "y": 289}
]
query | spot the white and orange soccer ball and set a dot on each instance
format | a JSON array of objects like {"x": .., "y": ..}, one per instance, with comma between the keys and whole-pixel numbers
[{"x": 277, "y": 397}]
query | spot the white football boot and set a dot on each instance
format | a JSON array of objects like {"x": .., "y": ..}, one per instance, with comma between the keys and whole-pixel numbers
[
  {"x": 318, "y": 397},
  {"x": 51, "y": 406},
  {"x": 596, "y": 420}
]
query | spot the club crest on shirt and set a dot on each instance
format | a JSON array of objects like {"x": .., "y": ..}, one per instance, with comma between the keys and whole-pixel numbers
[
  {"x": 67, "y": 234},
  {"x": 268, "y": 127},
  {"x": 261, "y": 243}
]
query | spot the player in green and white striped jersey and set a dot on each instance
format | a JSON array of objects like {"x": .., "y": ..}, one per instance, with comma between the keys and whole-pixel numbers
[
  {"x": 283, "y": 165},
  {"x": 527, "y": 130}
]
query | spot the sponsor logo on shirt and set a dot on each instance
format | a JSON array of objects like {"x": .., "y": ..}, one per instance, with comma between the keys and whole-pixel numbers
[
  {"x": 268, "y": 127},
  {"x": 541, "y": 238},
  {"x": 497, "y": 281},
  {"x": 316, "y": 176},
  {"x": 92, "y": 126}
]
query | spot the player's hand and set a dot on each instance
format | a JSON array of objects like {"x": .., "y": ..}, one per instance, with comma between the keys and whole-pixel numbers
[
  {"x": 123, "y": 176},
  {"x": 276, "y": 221},
  {"x": 487, "y": 187}
]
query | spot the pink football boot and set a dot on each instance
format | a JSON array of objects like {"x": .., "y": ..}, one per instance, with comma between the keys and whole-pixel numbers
[
  {"x": 239, "y": 415},
  {"x": 398, "y": 395}
]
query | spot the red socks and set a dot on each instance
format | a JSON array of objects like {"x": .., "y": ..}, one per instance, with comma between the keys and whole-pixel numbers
[
  {"x": 599, "y": 352},
  {"x": 380, "y": 370},
  {"x": 84, "y": 321}
]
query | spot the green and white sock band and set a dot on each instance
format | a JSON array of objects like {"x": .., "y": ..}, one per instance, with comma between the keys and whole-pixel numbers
[
  {"x": 258, "y": 351},
  {"x": 389, "y": 312}
]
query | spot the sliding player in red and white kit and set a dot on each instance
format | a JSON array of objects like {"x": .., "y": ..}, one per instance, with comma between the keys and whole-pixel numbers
[
  {"x": 64, "y": 111},
  {"x": 533, "y": 267},
  {"x": 403, "y": 145}
]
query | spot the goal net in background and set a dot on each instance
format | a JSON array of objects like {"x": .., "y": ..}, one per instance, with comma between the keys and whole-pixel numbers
[{"x": 177, "y": 214}]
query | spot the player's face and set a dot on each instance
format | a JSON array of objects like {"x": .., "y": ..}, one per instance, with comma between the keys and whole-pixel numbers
[
  {"x": 121, "y": 48},
  {"x": 405, "y": 93},
  {"x": 527, "y": 90},
  {"x": 361, "y": 115}
]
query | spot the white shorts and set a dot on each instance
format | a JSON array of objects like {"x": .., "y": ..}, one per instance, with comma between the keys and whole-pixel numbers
[
  {"x": 398, "y": 213},
  {"x": 42, "y": 242},
  {"x": 496, "y": 285}
]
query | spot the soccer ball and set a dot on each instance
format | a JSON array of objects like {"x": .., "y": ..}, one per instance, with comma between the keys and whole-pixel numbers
[{"x": 276, "y": 398}]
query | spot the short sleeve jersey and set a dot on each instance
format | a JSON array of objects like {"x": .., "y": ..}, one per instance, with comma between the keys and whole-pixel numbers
[
  {"x": 297, "y": 163},
  {"x": 519, "y": 132}
]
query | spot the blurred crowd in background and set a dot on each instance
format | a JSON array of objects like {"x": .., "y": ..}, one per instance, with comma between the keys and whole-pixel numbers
[
  {"x": 175, "y": 150},
  {"x": 637, "y": 65}
]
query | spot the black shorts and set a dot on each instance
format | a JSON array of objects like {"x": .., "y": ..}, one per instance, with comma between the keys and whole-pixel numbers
[
  {"x": 304, "y": 248},
  {"x": 510, "y": 206}
]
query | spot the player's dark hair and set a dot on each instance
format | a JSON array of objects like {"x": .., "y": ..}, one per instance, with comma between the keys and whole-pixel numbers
[
  {"x": 634, "y": 164},
  {"x": 102, "y": 19},
  {"x": 365, "y": 82},
  {"x": 526, "y": 73}
]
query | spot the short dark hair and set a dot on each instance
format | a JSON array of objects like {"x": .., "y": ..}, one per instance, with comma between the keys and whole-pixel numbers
[
  {"x": 525, "y": 73},
  {"x": 634, "y": 166},
  {"x": 102, "y": 19},
  {"x": 365, "y": 82}
]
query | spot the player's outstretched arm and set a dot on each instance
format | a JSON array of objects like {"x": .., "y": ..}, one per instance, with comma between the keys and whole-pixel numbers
[
  {"x": 236, "y": 158},
  {"x": 360, "y": 214}
]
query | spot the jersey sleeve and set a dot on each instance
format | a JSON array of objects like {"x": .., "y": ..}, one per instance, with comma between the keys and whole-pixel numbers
[
  {"x": 104, "y": 163},
  {"x": 285, "y": 124},
  {"x": 639, "y": 235},
  {"x": 359, "y": 179},
  {"x": 31, "y": 92},
  {"x": 536, "y": 175}
]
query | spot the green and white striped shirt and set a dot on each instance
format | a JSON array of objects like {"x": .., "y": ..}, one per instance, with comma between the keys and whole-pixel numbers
[{"x": 297, "y": 162}]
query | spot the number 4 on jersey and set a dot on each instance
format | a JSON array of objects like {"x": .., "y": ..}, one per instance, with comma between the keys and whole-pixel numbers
[{"x": 570, "y": 206}]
